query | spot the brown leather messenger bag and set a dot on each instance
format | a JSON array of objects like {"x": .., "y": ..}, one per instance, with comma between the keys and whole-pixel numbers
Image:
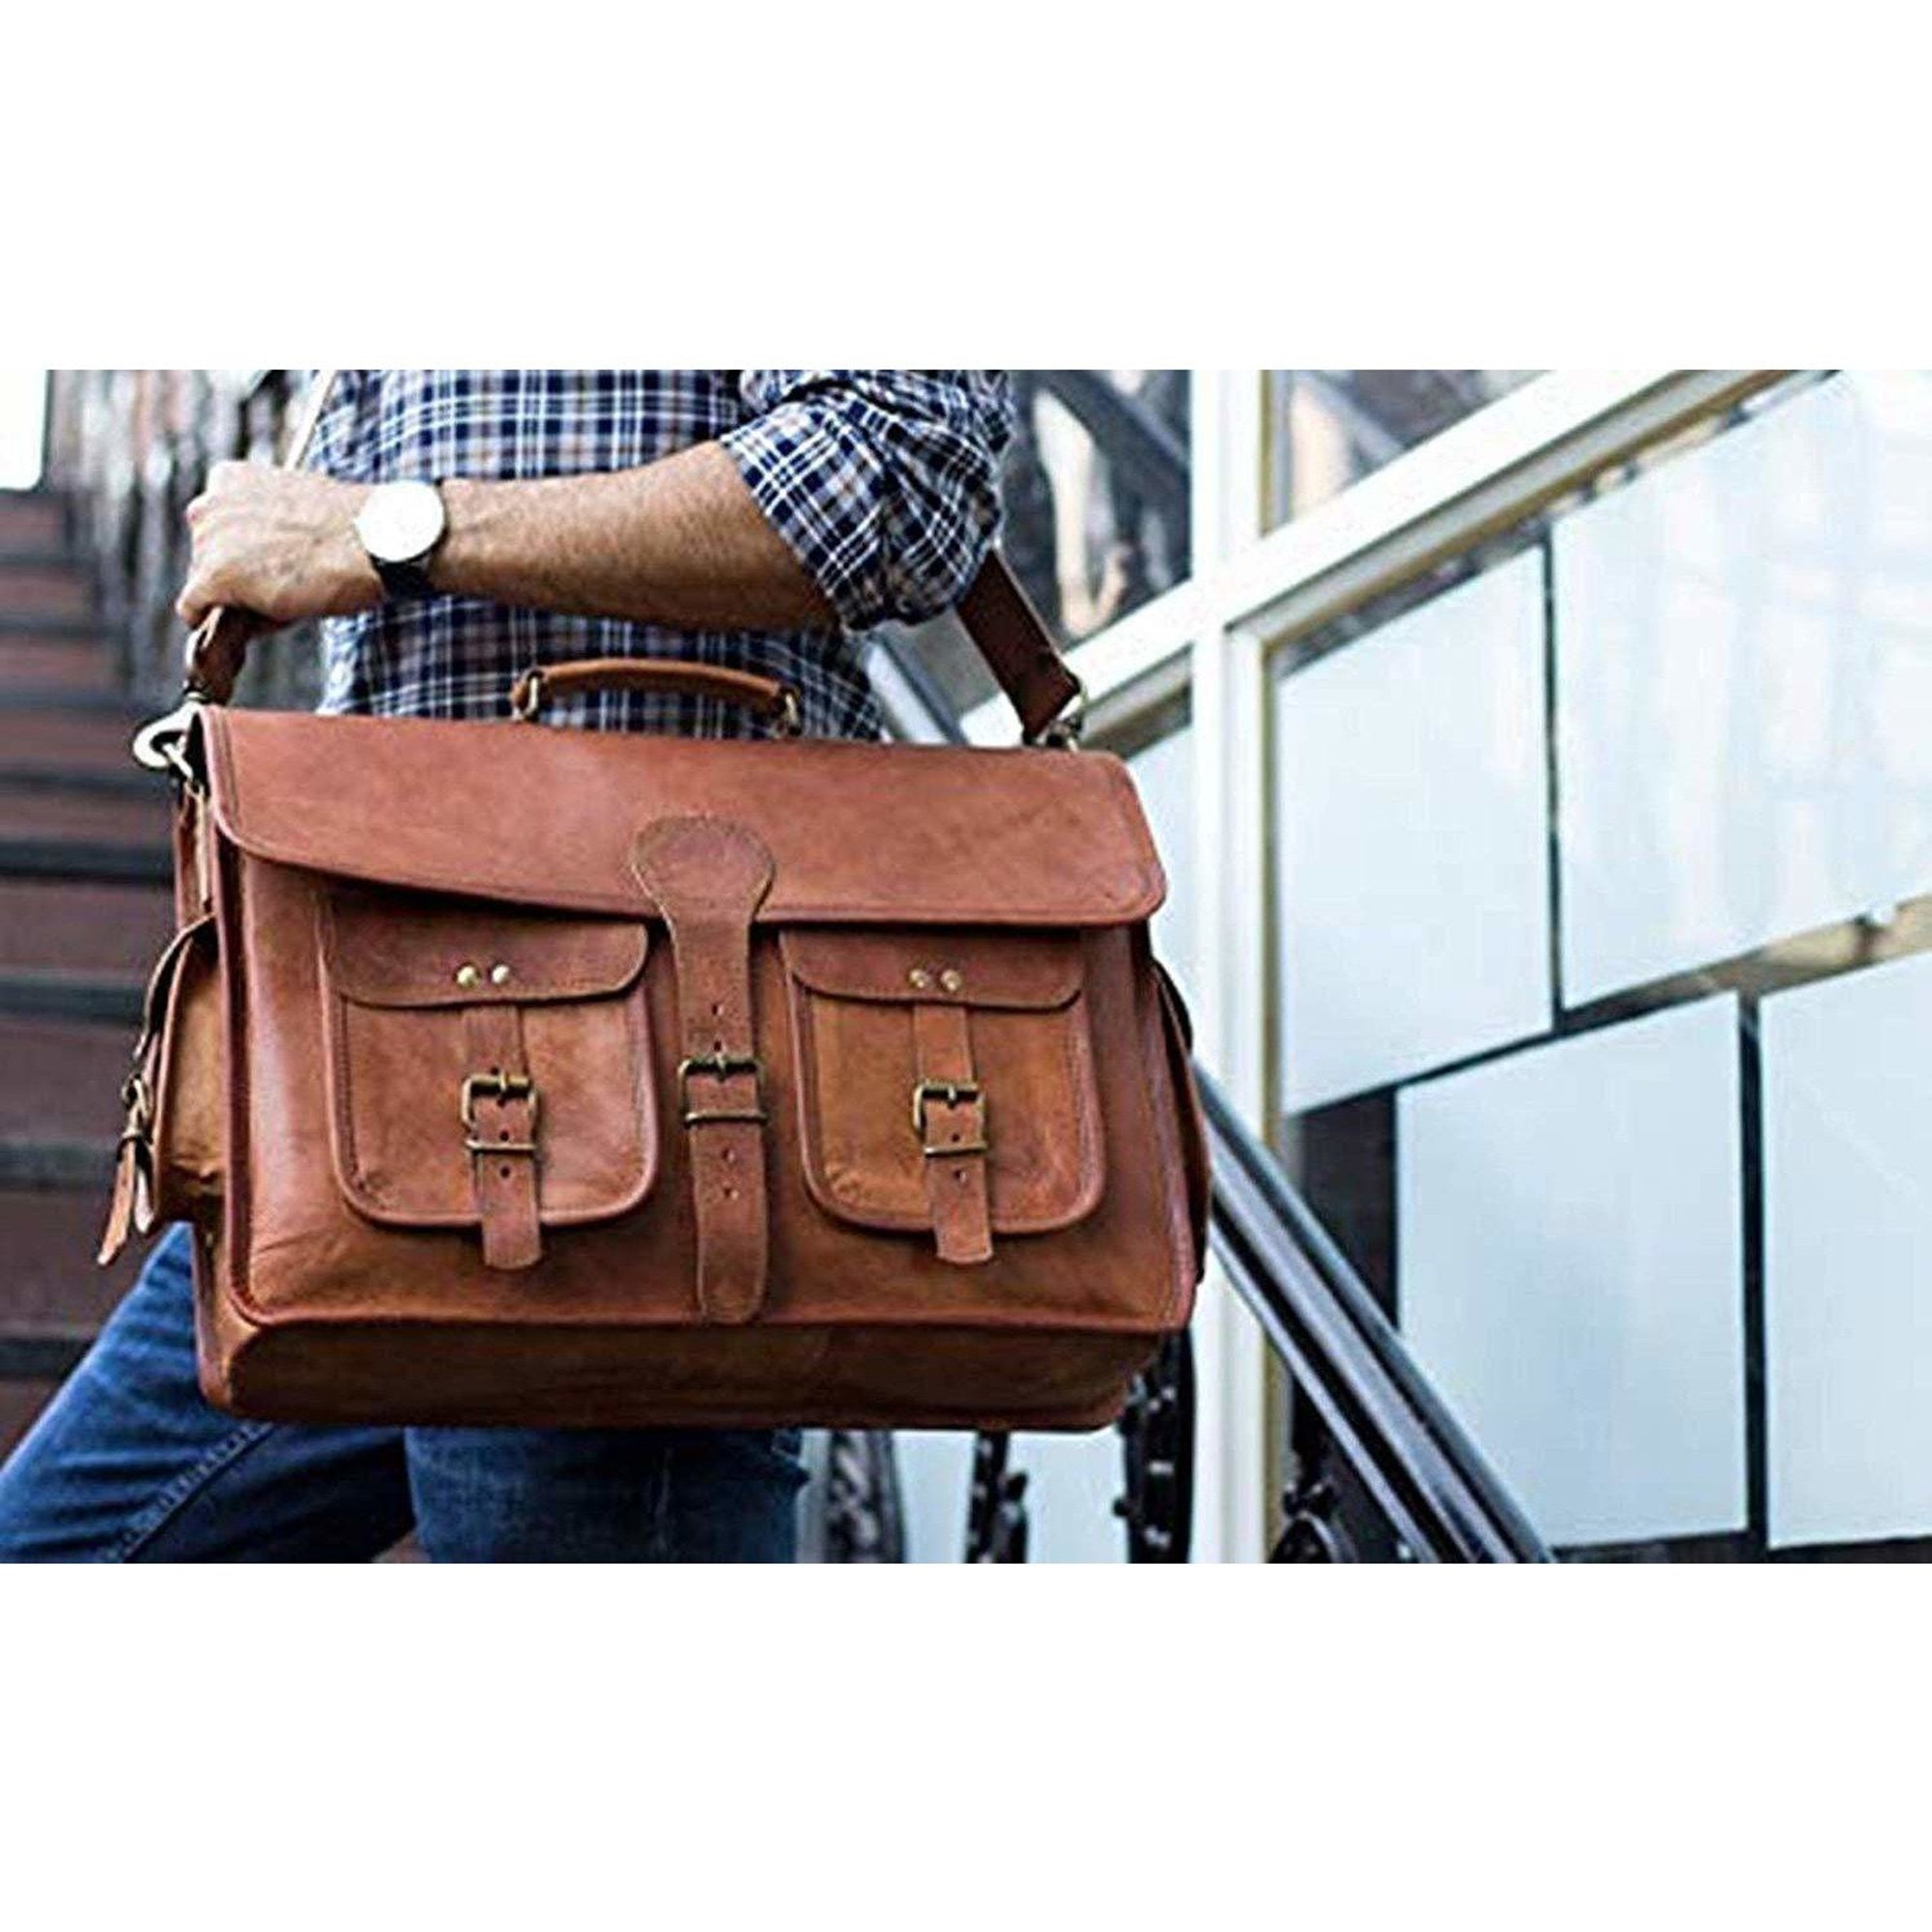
[{"x": 515, "y": 1074}]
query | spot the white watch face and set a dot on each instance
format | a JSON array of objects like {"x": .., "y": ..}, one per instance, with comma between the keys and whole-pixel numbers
[{"x": 401, "y": 523}]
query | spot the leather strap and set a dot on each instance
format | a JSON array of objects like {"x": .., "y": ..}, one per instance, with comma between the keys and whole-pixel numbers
[
  {"x": 950, "y": 1114},
  {"x": 995, "y": 610},
  {"x": 1022, "y": 656},
  {"x": 708, "y": 878},
  {"x": 501, "y": 1109}
]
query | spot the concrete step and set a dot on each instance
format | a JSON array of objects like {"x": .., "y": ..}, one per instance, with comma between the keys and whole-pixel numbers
[
  {"x": 91, "y": 931},
  {"x": 32, "y": 520},
  {"x": 44, "y": 589},
  {"x": 57, "y": 1166},
  {"x": 22, "y": 1402},
  {"x": 36, "y": 701},
  {"x": 45, "y": 738},
  {"x": 84, "y": 859},
  {"x": 63, "y": 1083},
  {"x": 56, "y": 663},
  {"x": 98, "y": 814},
  {"x": 46, "y": 624},
  {"x": 49, "y": 1286},
  {"x": 130, "y": 781},
  {"x": 97, "y": 1000}
]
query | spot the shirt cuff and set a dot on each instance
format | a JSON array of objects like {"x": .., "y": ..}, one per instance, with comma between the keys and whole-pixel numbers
[{"x": 822, "y": 487}]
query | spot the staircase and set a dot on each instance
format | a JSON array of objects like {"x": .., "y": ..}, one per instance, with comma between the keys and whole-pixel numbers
[{"x": 84, "y": 908}]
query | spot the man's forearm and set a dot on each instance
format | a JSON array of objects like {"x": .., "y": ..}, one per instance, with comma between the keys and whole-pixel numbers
[{"x": 681, "y": 542}]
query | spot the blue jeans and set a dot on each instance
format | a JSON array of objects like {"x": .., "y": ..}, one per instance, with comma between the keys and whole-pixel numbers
[{"x": 128, "y": 1464}]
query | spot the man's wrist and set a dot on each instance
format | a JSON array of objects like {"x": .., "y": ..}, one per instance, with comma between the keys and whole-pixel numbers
[{"x": 457, "y": 569}]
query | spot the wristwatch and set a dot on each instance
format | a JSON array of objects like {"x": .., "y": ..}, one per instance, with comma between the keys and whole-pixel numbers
[{"x": 400, "y": 526}]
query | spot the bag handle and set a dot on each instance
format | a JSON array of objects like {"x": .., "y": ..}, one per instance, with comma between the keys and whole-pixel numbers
[
  {"x": 776, "y": 702},
  {"x": 995, "y": 610}
]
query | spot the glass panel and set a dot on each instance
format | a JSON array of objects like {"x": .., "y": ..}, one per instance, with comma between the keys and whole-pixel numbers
[
  {"x": 1673, "y": 1283},
  {"x": 935, "y": 1488},
  {"x": 1411, "y": 842},
  {"x": 1571, "y": 1271},
  {"x": 1743, "y": 642},
  {"x": 1072, "y": 1484},
  {"x": 1848, "y": 1230},
  {"x": 1327, "y": 428}
]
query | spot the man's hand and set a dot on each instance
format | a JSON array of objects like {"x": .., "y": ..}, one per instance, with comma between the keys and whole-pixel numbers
[{"x": 279, "y": 543}]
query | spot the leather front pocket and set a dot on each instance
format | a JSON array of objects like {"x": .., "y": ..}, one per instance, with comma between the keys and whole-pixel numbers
[
  {"x": 922, "y": 1052},
  {"x": 468, "y": 1039}
]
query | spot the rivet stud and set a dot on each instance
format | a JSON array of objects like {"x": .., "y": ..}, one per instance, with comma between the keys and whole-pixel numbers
[
  {"x": 918, "y": 979},
  {"x": 499, "y": 976},
  {"x": 467, "y": 975},
  {"x": 952, "y": 979}
]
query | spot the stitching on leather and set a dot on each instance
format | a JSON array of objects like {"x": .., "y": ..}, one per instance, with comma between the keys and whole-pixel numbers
[{"x": 176, "y": 1496}]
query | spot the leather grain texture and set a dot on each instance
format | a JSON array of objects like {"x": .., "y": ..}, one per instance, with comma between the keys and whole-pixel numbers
[{"x": 662, "y": 1082}]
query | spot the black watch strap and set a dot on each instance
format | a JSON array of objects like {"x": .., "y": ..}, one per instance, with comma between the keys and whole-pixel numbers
[{"x": 405, "y": 583}]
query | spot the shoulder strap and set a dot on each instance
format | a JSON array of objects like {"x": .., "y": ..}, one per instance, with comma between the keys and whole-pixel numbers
[{"x": 995, "y": 610}]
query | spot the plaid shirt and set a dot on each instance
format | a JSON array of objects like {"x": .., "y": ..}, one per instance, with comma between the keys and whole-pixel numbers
[{"x": 883, "y": 482}]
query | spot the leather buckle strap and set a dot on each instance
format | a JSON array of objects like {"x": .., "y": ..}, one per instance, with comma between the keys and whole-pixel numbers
[
  {"x": 949, "y": 1115},
  {"x": 503, "y": 1170},
  {"x": 708, "y": 878}
]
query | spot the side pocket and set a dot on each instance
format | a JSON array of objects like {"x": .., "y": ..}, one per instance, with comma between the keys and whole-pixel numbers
[
  {"x": 189, "y": 1082},
  {"x": 168, "y": 1164},
  {"x": 1180, "y": 1032}
]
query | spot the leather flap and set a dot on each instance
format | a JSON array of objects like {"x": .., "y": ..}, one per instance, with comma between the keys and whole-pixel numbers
[
  {"x": 541, "y": 816},
  {"x": 385, "y": 952},
  {"x": 937, "y": 968}
]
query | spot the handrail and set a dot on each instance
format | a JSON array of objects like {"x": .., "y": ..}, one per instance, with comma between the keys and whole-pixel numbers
[
  {"x": 1442, "y": 1499},
  {"x": 1426, "y": 1475}
]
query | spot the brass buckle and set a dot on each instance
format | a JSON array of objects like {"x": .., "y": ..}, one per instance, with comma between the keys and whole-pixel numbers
[
  {"x": 951, "y": 1094},
  {"x": 502, "y": 1088},
  {"x": 721, "y": 1065}
]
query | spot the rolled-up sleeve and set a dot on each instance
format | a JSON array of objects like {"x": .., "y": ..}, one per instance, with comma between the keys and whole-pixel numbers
[{"x": 884, "y": 483}]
